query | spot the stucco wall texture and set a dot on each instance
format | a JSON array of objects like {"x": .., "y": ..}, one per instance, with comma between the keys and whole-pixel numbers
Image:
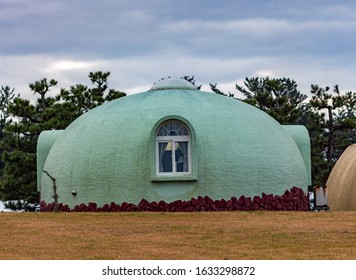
[
  {"x": 108, "y": 154},
  {"x": 341, "y": 183}
]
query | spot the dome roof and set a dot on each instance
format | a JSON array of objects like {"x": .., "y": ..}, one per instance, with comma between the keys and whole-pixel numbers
[
  {"x": 342, "y": 182},
  {"x": 172, "y": 84},
  {"x": 108, "y": 154}
]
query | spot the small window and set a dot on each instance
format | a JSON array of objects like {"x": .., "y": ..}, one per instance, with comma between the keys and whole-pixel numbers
[{"x": 173, "y": 149}]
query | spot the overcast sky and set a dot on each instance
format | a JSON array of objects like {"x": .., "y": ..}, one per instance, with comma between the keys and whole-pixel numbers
[{"x": 141, "y": 41}]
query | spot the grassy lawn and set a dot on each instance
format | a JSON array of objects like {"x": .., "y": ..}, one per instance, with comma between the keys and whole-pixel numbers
[{"x": 204, "y": 235}]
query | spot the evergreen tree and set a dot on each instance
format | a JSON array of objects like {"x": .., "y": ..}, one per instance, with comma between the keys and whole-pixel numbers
[
  {"x": 337, "y": 129},
  {"x": 214, "y": 88},
  {"x": 19, "y": 178},
  {"x": 6, "y": 96},
  {"x": 81, "y": 98},
  {"x": 279, "y": 98},
  {"x": 191, "y": 80}
]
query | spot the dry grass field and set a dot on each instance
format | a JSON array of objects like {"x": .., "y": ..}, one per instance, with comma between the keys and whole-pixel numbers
[{"x": 212, "y": 235}]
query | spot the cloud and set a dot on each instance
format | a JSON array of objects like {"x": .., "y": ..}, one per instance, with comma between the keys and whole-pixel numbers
[
  {"x": 19, "y": 71},
  {"x": 136, "y": 74},
  {"x": 140, "y": 42},
  {"x": 119, "y": 29},
  {"x": 263, "y": 36}
]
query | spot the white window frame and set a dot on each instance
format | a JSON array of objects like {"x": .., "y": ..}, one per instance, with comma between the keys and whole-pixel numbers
[{"x": 173, "y": 139}]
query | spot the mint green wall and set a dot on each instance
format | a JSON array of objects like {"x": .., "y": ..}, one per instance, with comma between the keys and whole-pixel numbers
[
  {"x": 44, "y": 144},
  {"x": 108, "y": 154},
  {"x": 301, "y": 137}
]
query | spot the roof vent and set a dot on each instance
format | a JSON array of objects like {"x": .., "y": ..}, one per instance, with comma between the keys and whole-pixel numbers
[{"x": 171, "y": 83}]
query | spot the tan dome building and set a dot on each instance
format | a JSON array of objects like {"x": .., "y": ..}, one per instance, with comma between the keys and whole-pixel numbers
[{"x": 342, "y": 182}]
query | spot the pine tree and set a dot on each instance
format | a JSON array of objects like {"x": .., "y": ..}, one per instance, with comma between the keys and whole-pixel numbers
[
  {"x": 279, "y": 98},
  {"x": 19, "y": 179},
  {"x": 19, "y": 157},
  {"x": 337, "y": 129}
]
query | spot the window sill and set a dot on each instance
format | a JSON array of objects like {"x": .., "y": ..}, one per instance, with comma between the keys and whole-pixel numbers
[{"x": 173, "y": 178}]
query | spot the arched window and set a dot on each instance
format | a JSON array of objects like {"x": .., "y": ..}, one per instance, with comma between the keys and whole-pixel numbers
[{"x": 173, "y": 149}]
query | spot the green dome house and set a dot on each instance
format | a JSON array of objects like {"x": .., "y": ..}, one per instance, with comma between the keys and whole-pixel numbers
[{"x": 172, "y": 142}]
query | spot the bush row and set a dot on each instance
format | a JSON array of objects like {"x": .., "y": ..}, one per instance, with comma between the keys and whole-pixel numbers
[{"x": 292, "y": 200}]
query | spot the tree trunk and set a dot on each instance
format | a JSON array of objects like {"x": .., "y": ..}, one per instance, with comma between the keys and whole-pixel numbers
[{"x": 329, "y": 153}]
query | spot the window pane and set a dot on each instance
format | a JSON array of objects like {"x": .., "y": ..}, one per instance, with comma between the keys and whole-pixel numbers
[
  {"x": 162, "y": 131},
  {"x": 181, "y": 156},
  {"x": 172, "y": 128},
  {"x": 165, "y": 156},
  {"x": 183, "y": 130}
]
